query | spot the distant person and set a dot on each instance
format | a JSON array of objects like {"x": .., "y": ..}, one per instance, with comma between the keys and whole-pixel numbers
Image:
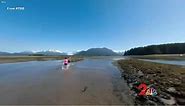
[
  {"x": 66, "y": 61},
  {"x": 65, "y": 64}
]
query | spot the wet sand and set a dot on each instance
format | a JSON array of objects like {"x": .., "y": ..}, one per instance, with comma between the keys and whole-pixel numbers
[{"x": 87, "y": 82}]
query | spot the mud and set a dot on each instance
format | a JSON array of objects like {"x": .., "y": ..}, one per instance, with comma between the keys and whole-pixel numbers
[{"x": 87, "y": 82}]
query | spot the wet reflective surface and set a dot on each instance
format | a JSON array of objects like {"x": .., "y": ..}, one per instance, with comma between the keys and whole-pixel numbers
[
  {"x": 91, "y": 81},
  {"x": 173, "y": 62}
]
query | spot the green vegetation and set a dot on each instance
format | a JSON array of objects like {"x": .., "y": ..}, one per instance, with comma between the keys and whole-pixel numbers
[
  {"x": 10, "y": 59},
  {"x": 174, "y": 48},
  {"x": 76, "y": 58},
  {"x": 163, "y": 75}
]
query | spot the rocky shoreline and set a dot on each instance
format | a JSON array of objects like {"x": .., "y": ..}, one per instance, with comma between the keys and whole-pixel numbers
[{"x": 167, "y": 80}]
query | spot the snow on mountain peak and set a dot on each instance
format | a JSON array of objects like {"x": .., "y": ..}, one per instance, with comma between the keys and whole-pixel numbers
[{"x": 51, "y": 50}]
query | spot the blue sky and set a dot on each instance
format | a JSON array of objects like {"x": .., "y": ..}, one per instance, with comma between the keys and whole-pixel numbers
[{"x": 70, "y": 25}]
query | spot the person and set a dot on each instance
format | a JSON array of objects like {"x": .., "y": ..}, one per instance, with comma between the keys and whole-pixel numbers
[{"x": 66, "y": 61}]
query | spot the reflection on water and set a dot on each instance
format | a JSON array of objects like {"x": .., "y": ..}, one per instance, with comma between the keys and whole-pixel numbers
[
  {"x": 115, "y": 58},
  {"x": 65, "y": 67},
  {"x": 173, "y": 62}
]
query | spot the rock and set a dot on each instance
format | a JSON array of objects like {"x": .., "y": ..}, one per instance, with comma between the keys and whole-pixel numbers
[
  {"x": 134, "y": 70},
  {"x": 170, "y": 101},
  {"x": 182, "y": 94},
  {"x": 149, "y": 102},
  {"x": 141, "y": 99},
  {"x": 161, "y": 75},
  {"x": 147, "y": 77},
  {"x": 130, "y": 85},
  {"x": 129, "y": 80},
  {"x": 150, "y": 72},
  {"x": 171, "y": 90},
  {"x": 125, "y": 76},
  {"x": 164, "y": 95},
  {"x": 84, "y": 89},
  {"x": 170, "y": 82},
  {"x": 154, "y": 75},
  {"x": 180, "y": 101},
  {"x": 155, "y": 99},
  {"x": 140, "y": 73},
  {"x": 178, "y": 94},
  {"x": 176, "y": 84},
  {"x": 133, "y": 93},
  {"x": 158, "y": 72}
]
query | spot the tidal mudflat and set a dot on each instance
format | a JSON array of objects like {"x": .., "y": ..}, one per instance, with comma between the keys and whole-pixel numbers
[{"x": 87, "y": 82}]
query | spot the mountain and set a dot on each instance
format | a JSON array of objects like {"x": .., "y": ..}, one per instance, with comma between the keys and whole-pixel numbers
[
  {"x": 51, "y": 53},
  {"x": 24, "y": 53},
  {"x": 40, "y": 53},
  {"x": 97, "y": 52},
  {"x": 89, "y": 52},
  {"x": 4, "y": 53}
]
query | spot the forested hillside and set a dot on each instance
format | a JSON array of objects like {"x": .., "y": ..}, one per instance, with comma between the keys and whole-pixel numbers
[{"x": 173, "y": 48}]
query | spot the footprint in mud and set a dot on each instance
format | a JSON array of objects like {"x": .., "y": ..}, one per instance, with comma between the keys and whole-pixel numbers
[{"x": 84, "y": 89}]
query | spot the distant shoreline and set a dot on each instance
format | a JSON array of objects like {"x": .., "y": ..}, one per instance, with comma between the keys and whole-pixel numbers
[
  {"x": 14, "y": 59},
  {"x": 160, "y": 56}
]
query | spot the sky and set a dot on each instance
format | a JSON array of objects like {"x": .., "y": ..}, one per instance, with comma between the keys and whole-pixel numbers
[{"x": 71, "y": 25}]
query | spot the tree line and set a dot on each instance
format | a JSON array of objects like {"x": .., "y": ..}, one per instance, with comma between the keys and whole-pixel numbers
[{"x": 173, "y": 48}]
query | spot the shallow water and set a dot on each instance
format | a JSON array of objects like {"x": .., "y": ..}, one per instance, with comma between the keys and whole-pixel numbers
[
  {"x": 173, "y": 62},
  {"x": 91, "y": 81}
]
